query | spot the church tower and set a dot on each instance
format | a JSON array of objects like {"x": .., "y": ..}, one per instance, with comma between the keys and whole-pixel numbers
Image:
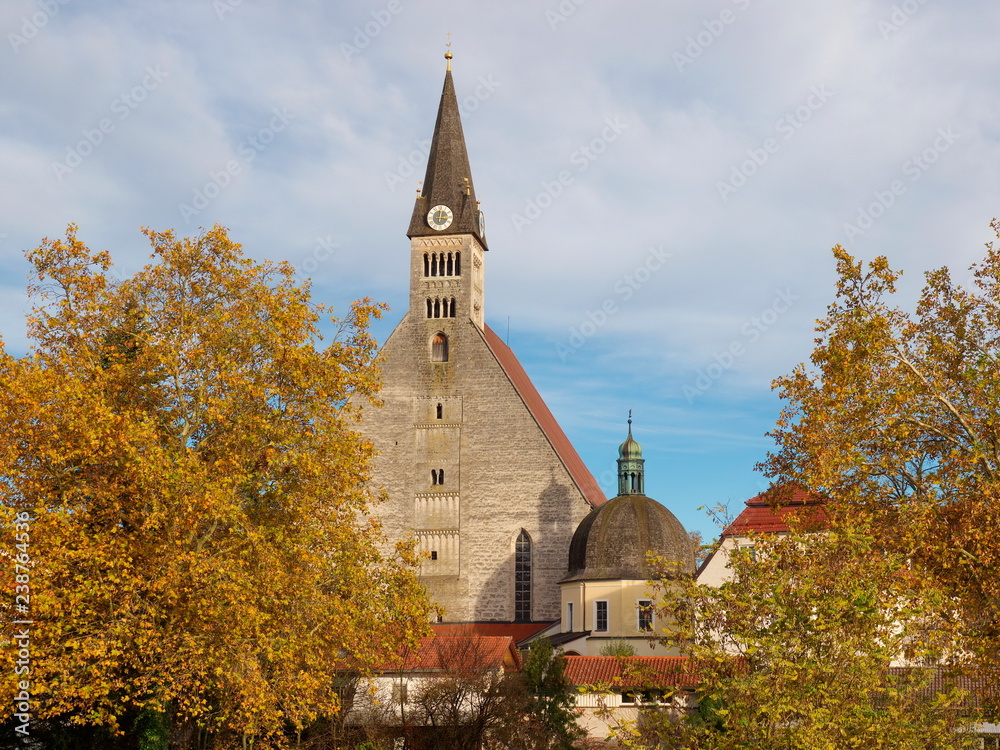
[{"x": 473, "y": 462}]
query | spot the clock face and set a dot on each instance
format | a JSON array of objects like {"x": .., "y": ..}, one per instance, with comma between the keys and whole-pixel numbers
[{"x": 440, "y": 217}]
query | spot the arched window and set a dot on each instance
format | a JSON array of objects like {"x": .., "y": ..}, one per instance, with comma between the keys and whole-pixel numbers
[
  {"x": 427, "y": 265},
  {"x": 437, "y": 307},
  {"x": 522, "y": 578},
  {"x": 439, "y": 348},
  {"x": 452, "y": 313},
  {"x": 430, "y": 308},
  {"x": 458, "y": 264}
]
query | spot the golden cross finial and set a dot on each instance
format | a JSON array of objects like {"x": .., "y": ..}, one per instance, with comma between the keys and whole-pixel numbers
[{"x": 447, "y": 54}]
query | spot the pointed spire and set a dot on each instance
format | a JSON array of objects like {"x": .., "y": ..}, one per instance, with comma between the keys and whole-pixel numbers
[{"x": 448, "y": 181}]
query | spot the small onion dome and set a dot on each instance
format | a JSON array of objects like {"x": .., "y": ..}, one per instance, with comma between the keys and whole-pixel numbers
[
  {"x": 630, "y": 449},
  {"x": 613, "y": 541}
]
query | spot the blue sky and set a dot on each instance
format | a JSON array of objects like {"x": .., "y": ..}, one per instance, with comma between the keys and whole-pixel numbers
[{"x": 662, "y": 182}]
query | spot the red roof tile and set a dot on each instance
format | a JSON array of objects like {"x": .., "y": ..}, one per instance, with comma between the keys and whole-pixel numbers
[
  {"x": 760, "y": 518},
  {"x": 557, "y": 438},
  {"x": 457, "y": 653},
  {"x": 516, "y": 630},
  {"x": 630, "y": 671}
]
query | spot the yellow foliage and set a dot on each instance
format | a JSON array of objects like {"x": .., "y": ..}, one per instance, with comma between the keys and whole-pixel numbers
[{"x": 197, "y": 491}]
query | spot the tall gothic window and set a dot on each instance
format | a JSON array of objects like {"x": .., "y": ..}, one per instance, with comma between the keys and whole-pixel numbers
[
  {"x": 439, "y": 348},
  {"x": 522, "y": 578}
]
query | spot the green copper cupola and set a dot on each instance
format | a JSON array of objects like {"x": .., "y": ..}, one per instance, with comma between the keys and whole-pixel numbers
[{"x": 630, "y": 463}]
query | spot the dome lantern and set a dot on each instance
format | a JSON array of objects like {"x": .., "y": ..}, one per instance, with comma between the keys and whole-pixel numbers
[{"x": 631, "y": 480}]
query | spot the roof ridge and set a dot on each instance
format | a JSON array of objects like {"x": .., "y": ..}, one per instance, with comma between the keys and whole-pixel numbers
[{"x": 544, "y": 418}]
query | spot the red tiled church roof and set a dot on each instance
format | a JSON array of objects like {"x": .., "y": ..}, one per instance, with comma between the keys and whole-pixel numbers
[
  {"x": 458, "y": 654},
  {"x": 557, "y": 438},
  {"x": 760, "y": 518},
  {"x": 630, "y": 671},
  {"x": 518, "y": 631}
]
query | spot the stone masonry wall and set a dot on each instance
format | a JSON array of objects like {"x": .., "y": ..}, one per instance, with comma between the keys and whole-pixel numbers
[{"x": 501, "y": 474}]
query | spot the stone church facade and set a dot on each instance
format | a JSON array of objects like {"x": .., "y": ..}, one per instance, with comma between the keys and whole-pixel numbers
[{"x": 474, "y": 464}]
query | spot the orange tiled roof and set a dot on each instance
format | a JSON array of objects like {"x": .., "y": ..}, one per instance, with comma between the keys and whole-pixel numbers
[
  {"x": 516, "y": 630},
  {"x": 630, "y": 671},
  {"x": 533, "y": 400},
  {"x": 458, "y": 653},
  {"x": 759, "y": 517}
]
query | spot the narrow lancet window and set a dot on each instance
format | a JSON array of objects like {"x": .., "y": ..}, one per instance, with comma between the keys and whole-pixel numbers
[
  {"x": 427, "y": 265},
  {"x": 439, "y": 348},
  {"x": 458, "y": 264},
  {"x": 522, "y": 578},
  {"x": 440, "y": 411}
]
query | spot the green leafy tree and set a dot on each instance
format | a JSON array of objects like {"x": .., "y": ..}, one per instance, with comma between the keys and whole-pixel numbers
[
  {"x": 617, "y": 648},
  {"x": 551, "y": 696},
  {"x": 194, "y": 490}
]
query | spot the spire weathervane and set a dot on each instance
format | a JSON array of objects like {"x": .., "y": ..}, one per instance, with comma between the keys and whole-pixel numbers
[
  {"x": 447, "y": 54},
  {"x": 630, "y": 423}
]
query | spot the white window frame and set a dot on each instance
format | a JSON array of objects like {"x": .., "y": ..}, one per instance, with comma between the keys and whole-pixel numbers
[{"x": 607, "y": 616}]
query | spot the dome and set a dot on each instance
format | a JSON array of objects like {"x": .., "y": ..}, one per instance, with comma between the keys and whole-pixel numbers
[{"x": 612, "y": 542}]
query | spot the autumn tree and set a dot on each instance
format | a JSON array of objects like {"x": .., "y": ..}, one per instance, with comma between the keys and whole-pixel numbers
[
  {"x": 202, "y": 557},
  {"x": 896, "y": 422},
  {"x": 818, "y": 641}
]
